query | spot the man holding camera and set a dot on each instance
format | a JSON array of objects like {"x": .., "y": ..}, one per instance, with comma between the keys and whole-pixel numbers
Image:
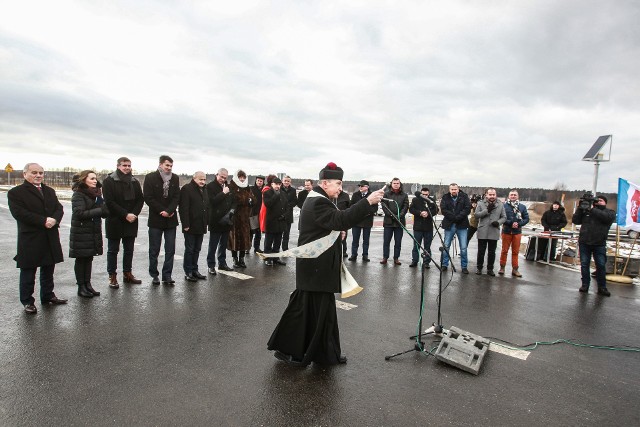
[{"x": 595, "y": 220}]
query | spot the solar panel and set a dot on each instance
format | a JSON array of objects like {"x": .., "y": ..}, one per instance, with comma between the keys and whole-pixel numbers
[{"x": 593, "y": 152}]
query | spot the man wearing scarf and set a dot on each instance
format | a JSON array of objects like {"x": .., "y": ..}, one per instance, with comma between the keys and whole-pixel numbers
[
  {"x": 123, "y": 195},
  {"x": 491, "y": 215},
  {"x": 162, "y": 195},
  {"x": 517, "y": 217},
  {"x": 308, "y": 330}
]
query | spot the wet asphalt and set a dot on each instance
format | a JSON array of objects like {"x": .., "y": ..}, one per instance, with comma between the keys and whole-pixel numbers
[{"x": 195, "y": 353}]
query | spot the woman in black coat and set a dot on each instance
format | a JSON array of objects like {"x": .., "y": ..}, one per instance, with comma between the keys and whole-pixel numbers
[
  {"x": 85, "y": 240},
  {"x": 552, "y": 220}
]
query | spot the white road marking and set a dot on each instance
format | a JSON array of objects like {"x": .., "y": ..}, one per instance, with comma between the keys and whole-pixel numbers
[
  {"x": 235, "y": 274},
  {"x": 344, "y": 305},
  {"x": 518, "y": 354}
]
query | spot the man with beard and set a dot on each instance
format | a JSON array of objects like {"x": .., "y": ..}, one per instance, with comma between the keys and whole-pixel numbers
[
  {"x": 162, "y": 195},
  {"x": 397, "y": 207},
  {"x": 292, "y": 200},
  {"x": 517, "y": 217},
  {"x": 123, "y": 196},
  {"x": 491, "y": 215},
  {"x": 254, "y": 219},
  {"x": 221, "y": 208},
  {"x": 308, "y": 330},
  {"x": 363, "y": 227},
  {"x": 194, "y": 215},
  {"x": 423, "y": 207},
  {"x": 38, "y": 213}
]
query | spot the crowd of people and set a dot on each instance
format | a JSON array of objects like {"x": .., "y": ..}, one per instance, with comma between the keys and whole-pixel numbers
[{"x": 236, "y": 214}]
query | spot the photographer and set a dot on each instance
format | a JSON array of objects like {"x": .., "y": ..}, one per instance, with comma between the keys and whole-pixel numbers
[
  {"x": 595, "y": 220},
  {"x": 473, "y": 221}
]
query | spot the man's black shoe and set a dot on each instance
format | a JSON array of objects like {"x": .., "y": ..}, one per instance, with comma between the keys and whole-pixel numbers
[
  {"x": 413, "y": 264},
  {"x": 365, "y": 259},
  {"x": 155, "y": 281},
  {"x": 30, "y": 308},
  {"x": 342, "y": 358},
  {"x": 268, "y": 262},
  {"x": 169, "y": 281},
  {"x": 212, "y": 271},
  {"x": 353, "y": 258},
  {"x": 279, "y": 261},
  {"x": 583, "y": 288},
  {"x": 465, "y": 271},
  {"x": 199, "y": 276},
  {"x": 604, "y": 292},
  {"x": 426, "y": 265},
  {"x": 289, "y": 359},
  {"x": 225, "y": 267},
  {"x": 55, "y": 300},
  {"x": 444, "y": 268},
  {"x": 478, "y": 271},
  {"x": 490, "y": 273},
  {"x": 190, "y": 278}
]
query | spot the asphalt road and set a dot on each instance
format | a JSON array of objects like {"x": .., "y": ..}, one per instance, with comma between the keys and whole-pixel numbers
[{"x": 195, "y": 354}]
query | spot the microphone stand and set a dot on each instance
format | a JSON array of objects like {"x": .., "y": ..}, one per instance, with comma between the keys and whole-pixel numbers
[{"x": 419, "y": 345}]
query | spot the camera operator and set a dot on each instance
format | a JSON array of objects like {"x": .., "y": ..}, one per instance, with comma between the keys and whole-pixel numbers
[
  {"x": 473, "y": 221},
  {"x": 595, "y": 220}
]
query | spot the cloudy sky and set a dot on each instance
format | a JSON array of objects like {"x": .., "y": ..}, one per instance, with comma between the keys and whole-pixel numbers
[{"x": 505, "y": 93}]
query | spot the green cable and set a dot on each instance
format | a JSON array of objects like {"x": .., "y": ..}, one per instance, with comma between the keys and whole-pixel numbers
[{"x": 566, "y": 341}]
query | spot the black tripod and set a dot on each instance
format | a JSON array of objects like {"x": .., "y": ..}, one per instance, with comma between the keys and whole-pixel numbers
[{"x": 437, "y": 327}]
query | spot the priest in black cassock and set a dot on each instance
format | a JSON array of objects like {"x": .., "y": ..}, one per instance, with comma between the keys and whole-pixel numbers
[{"x": 308, "y": 330}]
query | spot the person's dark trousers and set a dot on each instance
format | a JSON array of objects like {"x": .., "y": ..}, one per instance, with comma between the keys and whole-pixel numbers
[
  {"x": 285, "y": 237},
  {"x": 344, "y": 243},
  {"x": 113, "y": 247},
  {"x": 272, "y": 242},
  {"x": 599, "y": 253},
  {"x": 28, "y": 282},
  {"x": 192, "y": 247},
  {"x": 425, "y": 238},
  {"x": 217, "y": 241},
  {"x": 82, "y": 269},
  {"x": 396, "y": 233},
  {"x": 483, "y": 244},
  {"x": 256, "y": 237},
  {"x": 471, "y": 231},
  {"x": 366, "y": 232},
  {"x": 155, "y": 241}
]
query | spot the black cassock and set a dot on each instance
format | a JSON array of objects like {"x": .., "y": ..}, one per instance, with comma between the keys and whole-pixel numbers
[{"x": 308, "y": 330}]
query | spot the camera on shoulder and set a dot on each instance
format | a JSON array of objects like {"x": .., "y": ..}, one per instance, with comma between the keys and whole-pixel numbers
[{"x": 587, "y": 201}]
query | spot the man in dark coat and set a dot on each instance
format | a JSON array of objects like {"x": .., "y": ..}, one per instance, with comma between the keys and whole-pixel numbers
[
  {"x": 595, "y": 221},
  {"x": 38, "y": 213},
  {"x": 308, "y": 330},
  {"x": 194, "y": 216},
  {"x": 292, "y": 200},
  {"x": 275, "y": 201},
  {"x": 455, "y": 207},
  {"x": 423, "y": 208},
  {"x": 123, "y": 195},
  {"x": 162, "y": 195},
  {"x": 398, "y": 208},
  {"x": 302, "y": 195},
  {"x": 342, "y": 202},
  {"x": 364, "y": 226},
  {"x": 254, "y": 221},
  {"x": 221, "y": 209}
]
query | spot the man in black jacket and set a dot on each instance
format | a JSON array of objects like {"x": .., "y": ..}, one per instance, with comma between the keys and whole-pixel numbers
[
  {"x": 308, "y": 330},
  {"x": 123, "y": 196},
  {"x": 254, "y": 219},
  {"x": 595, "y": 221},
  {"x": 221, "y": 209},
  {"x": 194, "y": 215},
  {"x": 292, "y": 200},
  {"x": 302, "y": 195},
  {"x": 455, "y": 207},
  {"x": 364, "y": 226},
  {"x": 275, "y": 201},
  {"x": 423, "y": 208},
  {"x": 162, "y": 195},
  {"x": 398, "y": 208},
  {"x": 38, "y": 212}
]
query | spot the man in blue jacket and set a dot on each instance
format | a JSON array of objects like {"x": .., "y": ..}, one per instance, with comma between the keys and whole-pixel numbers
[{"x": 517, "y": 217}]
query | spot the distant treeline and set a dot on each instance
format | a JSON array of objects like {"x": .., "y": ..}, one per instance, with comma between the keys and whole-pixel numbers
[{"x": 62, "y": 179}]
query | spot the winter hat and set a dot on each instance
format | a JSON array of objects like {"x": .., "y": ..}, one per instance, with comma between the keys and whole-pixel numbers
[{"x": 331, "y": 171}]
